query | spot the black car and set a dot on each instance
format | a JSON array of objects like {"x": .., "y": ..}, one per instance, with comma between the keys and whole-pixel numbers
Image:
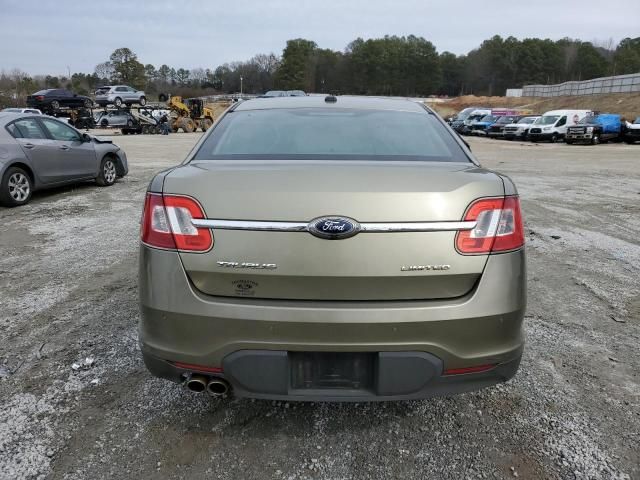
[{"x": 54, "y": 98}]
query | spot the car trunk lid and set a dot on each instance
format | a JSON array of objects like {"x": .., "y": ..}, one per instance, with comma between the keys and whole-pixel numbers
[{"x": 371, "y": 265}]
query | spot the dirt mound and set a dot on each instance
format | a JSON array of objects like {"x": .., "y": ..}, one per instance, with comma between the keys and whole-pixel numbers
[{"x": 626, "y": 104}]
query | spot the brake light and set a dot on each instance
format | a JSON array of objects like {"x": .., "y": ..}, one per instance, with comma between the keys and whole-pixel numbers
[
  {"x": 499, "y": 227},
  {"x": 166, "y": 223},
  {"x": 198, "y": 368},
  {"x": 463, "y": 370},
  {"x": 40, "y": 98}
]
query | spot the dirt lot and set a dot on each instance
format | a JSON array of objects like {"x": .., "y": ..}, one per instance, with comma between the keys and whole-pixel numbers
[{"x": 77, "y": 403}]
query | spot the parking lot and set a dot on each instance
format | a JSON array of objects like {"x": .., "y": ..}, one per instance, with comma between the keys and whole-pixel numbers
[{"x": 77, "y": 403}]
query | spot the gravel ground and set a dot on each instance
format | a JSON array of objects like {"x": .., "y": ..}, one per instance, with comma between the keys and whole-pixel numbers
[{"x": 77, "y": 403}]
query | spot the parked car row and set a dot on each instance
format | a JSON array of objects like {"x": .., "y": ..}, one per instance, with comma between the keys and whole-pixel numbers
[{"x": 571, "y": 126}]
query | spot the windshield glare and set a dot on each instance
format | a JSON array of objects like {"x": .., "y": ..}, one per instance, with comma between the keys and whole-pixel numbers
[
  {"x": 330, "y": 134},
  {"x": 527, "y": 120},
  {"x": 548, "y": 119}
]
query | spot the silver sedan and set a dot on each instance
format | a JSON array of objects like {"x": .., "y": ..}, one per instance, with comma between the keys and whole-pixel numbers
[{"x": 37, "y": 152}]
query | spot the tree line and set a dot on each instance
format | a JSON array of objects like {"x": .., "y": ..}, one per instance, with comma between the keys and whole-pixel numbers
[{"x": 392, "y": 65}]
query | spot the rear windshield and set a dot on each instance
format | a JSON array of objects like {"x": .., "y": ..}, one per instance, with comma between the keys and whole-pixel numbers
[{"x": 331, "y": 134}]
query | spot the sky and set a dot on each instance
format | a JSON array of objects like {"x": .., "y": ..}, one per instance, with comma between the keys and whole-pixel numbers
[{"x": 52, "y": 36}]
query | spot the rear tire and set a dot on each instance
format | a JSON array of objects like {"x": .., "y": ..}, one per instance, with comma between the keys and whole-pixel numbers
[
  {"x": 130, "y": 123},
  {"x": 206, "y": 124},
  {"x": 117, "y": 102},
  {"x": 108, "y": 172},
  {"x": 187, "y": 125},
  {"x": 88, "y": 103},
  {"x": 55, "y": 105},
  {"x": 143, "y": 101},
  {"x": 16, "y": 187}
]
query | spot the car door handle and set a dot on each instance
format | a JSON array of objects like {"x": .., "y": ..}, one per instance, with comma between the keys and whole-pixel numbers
[
  {"x": 64, "y": 147},
  {"x": 28, "y": 145}
]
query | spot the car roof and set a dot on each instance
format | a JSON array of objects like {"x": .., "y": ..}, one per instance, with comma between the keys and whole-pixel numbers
[{"x": 318, "y": 101}]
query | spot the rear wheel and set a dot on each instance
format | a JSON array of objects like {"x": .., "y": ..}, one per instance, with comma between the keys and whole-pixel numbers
[
  {"x": 16, "y": 187},
  {"x": 117, "y": 102},
  {"x": 146, "y": 129},
  {"x": 55, "y": 104},
  {"x": 143, "y": 101},
  {"x": 130, "y": 123},
  {"x": 108, "y": 174},
  {"x": 206, "y": 124},
  {"x": 88, "y": 103},
  {"x": 187, "y": 125}
]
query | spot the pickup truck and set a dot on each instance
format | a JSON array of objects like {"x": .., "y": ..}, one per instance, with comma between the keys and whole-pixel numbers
[
  {"x": 632, "y": 131},
  {"x": 594, "y": 129}
]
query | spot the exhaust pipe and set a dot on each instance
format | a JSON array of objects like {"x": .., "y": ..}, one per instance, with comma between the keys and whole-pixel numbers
[
  {"x": 218, "y": 387},
  {"x": 196, "y": 383}
]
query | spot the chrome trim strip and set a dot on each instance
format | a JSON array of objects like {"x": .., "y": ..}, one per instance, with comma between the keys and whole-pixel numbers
[
  {"x": 259, "y": 225},
  {"x": 250, "y": 225},
  {"x": 417, "y": 226}
]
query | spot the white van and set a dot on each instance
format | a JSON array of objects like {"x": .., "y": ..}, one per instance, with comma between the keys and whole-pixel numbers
[{"x": 553, "y": 125}]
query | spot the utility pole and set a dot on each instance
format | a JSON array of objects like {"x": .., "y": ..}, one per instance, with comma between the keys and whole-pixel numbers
[{"x": 241, "y": 84}]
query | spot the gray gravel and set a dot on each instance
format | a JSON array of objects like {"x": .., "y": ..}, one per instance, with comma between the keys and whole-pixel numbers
[{"x": 77, "y": 403}]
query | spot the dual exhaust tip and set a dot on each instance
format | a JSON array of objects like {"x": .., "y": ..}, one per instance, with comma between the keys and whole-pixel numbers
[{"x": 216, "y": 387}]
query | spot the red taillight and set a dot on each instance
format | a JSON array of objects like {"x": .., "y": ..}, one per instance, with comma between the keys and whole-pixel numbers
[
  {"x": 463, "y": 370},
  {"x": 198, "y": 368},
  {"x": 499, "y": 227},
  {"x": 39, "y": 98},
  {"x": 166, "y": 223}
]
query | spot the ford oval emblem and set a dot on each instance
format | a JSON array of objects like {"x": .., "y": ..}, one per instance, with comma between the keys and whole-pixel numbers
[{"x": 333, "y": 228}]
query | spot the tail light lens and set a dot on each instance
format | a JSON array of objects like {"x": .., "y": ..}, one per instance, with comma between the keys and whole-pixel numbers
[
  {"x": 166, "y": 223},
  {"x": 39, "y": 98},
  {"x": 499, "y": 227}
]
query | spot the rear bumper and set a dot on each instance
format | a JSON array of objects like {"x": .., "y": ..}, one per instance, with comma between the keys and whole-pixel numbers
[
  {"x": 180, "y": 324},
  {"x": 266, "y": 374}
]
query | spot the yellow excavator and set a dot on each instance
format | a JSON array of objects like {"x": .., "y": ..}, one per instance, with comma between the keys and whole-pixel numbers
[{"x": 190, "y": 114}]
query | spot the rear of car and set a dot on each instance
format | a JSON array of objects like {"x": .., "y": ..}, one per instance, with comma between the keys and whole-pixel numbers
[{"x": 332, "y": 249}]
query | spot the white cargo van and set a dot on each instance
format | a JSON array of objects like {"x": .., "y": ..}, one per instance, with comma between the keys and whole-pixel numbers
[{"x": 553, "y": 125}]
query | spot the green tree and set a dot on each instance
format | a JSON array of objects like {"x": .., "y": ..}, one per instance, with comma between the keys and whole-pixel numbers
[
  {"x": 182, "y": 76},
  {"x": 627, "y": 57},
  {"x": 296, "y": 71},
  {"x": 127, "y": 69}
]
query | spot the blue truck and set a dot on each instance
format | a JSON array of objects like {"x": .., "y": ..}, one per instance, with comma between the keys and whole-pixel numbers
[{"x": 595, "y": 129}]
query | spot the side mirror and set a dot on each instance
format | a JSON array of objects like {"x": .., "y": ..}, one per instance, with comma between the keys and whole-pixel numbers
[{"x": 86, "y": 137}]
